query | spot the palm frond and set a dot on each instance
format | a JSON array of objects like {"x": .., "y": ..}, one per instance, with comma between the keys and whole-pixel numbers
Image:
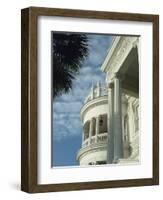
[{"x": 69, "y": 51}]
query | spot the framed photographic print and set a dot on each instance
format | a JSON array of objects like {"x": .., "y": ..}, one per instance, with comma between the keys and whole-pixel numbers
[{"x": 90, "y": 99}]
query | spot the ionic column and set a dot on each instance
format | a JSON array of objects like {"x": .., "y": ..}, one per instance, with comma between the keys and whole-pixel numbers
[
  {"x": 118, "y": 137},
  {"x": 97, "y": 128},
  {"x": 110, "y": 150},
  {"x": 90, "y": 130}
]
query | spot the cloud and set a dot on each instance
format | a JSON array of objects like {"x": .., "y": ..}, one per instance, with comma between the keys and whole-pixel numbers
[{"x": 66, "y": 126}]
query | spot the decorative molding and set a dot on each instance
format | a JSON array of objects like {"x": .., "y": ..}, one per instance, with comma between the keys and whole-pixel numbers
[
  {"x": 94, "y": 102},
  {"x": 118, "y": 54},
  {"x": 91, "y": 148}
]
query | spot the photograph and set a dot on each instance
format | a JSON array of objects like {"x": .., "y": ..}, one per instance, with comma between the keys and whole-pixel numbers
[
  {"x": 95, "y": 99},
  {"x": 90, "y": 99}
]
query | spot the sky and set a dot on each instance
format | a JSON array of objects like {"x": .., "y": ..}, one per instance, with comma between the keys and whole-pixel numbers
[{"x": 67, "y": 126}]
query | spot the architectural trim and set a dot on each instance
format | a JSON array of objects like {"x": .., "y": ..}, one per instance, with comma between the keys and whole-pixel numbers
[
  {"x": 91, "y": 148},
  {"x": 117, "y": 54},
  {"x": 90, "y": 104}
]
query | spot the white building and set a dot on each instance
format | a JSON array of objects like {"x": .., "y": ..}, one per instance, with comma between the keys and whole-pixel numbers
[{"x": 110, "y": 114}]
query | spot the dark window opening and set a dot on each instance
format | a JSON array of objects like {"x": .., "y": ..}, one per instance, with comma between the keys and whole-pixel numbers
[{"x": 102, "y": 162}]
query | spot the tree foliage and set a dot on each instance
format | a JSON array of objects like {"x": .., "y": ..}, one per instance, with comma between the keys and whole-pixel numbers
[{"x": 69, "y": 51}]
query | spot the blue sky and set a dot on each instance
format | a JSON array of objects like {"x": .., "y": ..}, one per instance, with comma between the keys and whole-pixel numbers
[{"x": 67, "y": 127}]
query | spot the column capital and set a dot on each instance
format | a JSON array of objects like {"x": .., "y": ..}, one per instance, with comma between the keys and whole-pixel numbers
[
  {"x": 109, "y": 81},
  {"x": 135, "y": 43},
  {"x": 116, "y": 75},
  {"x": 110, "y": 85}
]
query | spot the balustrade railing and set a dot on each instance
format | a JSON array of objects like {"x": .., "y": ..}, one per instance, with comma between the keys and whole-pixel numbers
[{"x": 101, "y": 138}]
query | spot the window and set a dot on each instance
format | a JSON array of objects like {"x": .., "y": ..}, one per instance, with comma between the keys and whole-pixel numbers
[
  {"x": 91, "y": 163},
  {"x": 103, "y": 123},
  {"x": 93, "y": 127},
  {"x": 102, "y": 162},
  {"x": 86, "y": 130}
]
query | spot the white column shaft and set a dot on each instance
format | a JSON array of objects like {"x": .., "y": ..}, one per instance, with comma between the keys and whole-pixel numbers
[
  {"x": 118, "y": 137},
  {"x": 110, "y": 150}
]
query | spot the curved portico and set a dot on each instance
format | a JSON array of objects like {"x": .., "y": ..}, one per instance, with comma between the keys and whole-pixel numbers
[{"x": 94, "y": 118}]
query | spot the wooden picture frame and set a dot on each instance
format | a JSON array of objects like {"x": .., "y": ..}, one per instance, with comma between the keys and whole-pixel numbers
[{"x": 29, "y": 135}]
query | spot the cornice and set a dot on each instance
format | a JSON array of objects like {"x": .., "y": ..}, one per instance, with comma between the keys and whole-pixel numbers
[
  {"x": 117, "y": 54},
  {"x": 92, "y": 103}
]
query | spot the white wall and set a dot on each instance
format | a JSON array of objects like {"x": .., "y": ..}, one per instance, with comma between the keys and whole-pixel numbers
[
  {"x": 10, "y": 98},
  {"x": 95, "y": 111}
]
